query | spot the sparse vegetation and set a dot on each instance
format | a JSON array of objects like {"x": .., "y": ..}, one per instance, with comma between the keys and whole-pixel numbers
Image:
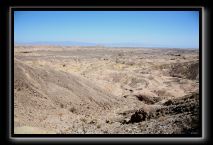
[
  {"x": 83, "y": 120},
  {"x": 98, "y": 126},
  {"x": 72, "y": 109},
  {"x": 62, "y": 105},
  {"x": 106, "y": 90}
]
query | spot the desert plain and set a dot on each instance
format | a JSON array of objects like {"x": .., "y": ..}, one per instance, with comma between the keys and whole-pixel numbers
[{"x": 102, "y": 90}]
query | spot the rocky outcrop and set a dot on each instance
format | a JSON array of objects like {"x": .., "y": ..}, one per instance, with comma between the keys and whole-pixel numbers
[
  {"x": 188, "y": 70},
  {"x": 183, "y": 113}
]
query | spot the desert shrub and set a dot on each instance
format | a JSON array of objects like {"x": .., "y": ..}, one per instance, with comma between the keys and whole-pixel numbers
[
  {"x": 105, "y": 131},
  {"x": 93, "y": 121},
  {"x": 62, "y": 105},
  {"x": 131, "y": 63},
  {"x": 108, "y": 121},
  {"x": 83, "y": 119},
  {"x": 72, "y": 110},
  {"x": 98, "y": 126}
]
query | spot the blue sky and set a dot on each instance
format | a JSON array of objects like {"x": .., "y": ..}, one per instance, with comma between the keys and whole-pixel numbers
[{"x": 174, "y": 29}]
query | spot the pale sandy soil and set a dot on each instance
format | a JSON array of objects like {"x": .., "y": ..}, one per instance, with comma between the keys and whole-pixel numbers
[{"x": 105, "y": 90}]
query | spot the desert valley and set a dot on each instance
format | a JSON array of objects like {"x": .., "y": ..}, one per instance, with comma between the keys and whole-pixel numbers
[{"x": 101, "y": 90}]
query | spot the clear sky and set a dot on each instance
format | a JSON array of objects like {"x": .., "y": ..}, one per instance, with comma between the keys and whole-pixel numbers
[{"x": 174, "y": 29}]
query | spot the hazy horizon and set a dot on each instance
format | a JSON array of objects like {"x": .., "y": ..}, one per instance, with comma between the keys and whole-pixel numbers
[{"x": 90, "y": 44}]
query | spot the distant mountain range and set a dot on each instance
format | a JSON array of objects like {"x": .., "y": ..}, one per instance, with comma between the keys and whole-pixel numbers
[
  {"x": 77, "y": 43},
  {"x": 64, "y": 43}
]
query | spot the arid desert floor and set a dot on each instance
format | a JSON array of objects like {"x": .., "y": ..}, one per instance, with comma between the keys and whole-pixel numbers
[{"x": 99, "y": 90}]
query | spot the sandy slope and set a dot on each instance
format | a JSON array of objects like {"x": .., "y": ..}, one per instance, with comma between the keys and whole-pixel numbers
[
  {"x": 104, "y": 90},
  {"x": 47, "y": 94}
]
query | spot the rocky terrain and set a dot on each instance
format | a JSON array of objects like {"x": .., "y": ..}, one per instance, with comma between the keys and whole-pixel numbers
[{"x": 99, "y": 90}]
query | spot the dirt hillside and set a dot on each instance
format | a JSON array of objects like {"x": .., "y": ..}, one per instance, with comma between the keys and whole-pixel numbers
[{"x": 74, "y": 90}]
